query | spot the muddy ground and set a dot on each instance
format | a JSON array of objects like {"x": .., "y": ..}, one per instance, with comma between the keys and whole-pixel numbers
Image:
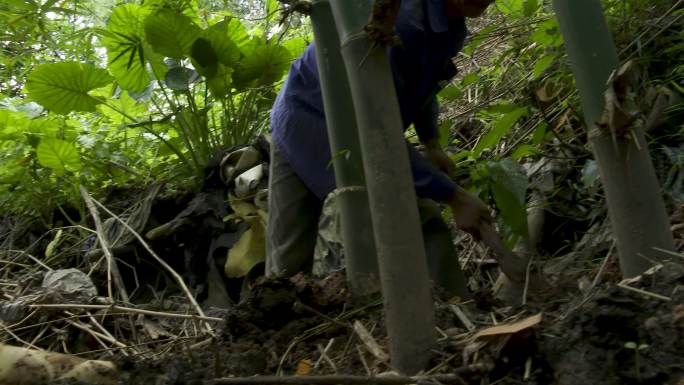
[
  {"x": 592, "y": 328},
  {"x": 610, "y": 335}
]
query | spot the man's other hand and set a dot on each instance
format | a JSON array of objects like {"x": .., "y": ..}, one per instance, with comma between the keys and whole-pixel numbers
[{"x": 469, "y": 212}]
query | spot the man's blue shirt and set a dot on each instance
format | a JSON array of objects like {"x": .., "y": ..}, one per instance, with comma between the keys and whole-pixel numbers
[{"x": 419, "y": 67}]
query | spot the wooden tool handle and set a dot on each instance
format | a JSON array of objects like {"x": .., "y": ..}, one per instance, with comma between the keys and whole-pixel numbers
[{"x": 513, "y": 265}]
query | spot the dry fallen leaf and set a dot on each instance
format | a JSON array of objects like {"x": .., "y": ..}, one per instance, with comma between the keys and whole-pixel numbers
[
  {"x": 303, "y": 368},
  {"x": 510, "y": 328}
]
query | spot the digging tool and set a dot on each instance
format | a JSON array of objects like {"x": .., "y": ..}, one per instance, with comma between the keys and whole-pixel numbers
[{"x": 513, "y": 265}]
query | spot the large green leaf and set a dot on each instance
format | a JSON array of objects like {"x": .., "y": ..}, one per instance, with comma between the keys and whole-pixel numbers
[
  {"x": 126, "y": 104},
  {"x": 170, "y": 34},
  {"x": 542, "y": 64},
  {"x": 12, "y": 125},
  {"x": 221, "y": 82},
  {"x": 499, "y": 129},
  {"x": 511, "y": 7},
  {"x": 204, "y": 57},
  {"x": 219, "y": 36},
  {"x": 263, "y": 63},
  {"x": 127, "y": 51},
  {"x": 530, "y": 7},
  {"x": 271, "y": 8},
  {"x": 59, "y": 155},
  {"x": 509, "y": 183},
  {"x": 296, "y": 46},
  {"x": 187, "y": 8},
  {"x": 548, "y": 34},
  {"x": 450, "y": 93},
  {"x": 215, "y": 55},
  {"x": 63, "y": 87},
  {"x": 237, "y": 32}
]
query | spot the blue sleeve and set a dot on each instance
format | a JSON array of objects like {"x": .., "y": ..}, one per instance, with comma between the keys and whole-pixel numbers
[
  {"x": 429, "y": 181},
  {"x": 426, "y": 121}
]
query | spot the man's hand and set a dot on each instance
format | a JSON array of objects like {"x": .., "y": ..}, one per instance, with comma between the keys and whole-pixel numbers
[
  {"x": 469, "y": 212},
  {"x": 467, "y": 8},
  {"x": 434, "y": 152}
]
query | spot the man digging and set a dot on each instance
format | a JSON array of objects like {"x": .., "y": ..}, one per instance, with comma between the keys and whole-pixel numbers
[{"x": 432, "y": 33}]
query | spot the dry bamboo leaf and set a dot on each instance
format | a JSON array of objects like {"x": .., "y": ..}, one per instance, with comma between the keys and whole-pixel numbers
[{"x": 510, "y": 328}]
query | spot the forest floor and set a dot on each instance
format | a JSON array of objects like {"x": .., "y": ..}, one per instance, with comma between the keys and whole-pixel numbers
[
  {"x": 588, "y": 327},
  {"x": 614, "y": 334}
]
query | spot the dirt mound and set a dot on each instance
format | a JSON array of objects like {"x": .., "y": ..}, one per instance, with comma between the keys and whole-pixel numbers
[
  {"x": 622, "y": 336},
  {"x": 626, "y": 333}
]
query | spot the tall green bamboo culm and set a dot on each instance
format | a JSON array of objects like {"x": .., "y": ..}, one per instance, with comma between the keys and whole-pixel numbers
[
  {"x": 357, "y": 231},
  {"x": 409, "y": 313},
  {"x": 635, "y": 206}
]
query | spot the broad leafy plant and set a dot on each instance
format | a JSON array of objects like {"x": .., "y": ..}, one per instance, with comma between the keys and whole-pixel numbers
[
  {"x": 151, "y": 93},
  {"x": 207, "y": 87}
]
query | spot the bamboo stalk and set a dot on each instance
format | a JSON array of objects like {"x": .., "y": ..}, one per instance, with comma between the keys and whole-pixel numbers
[{"x": 409, "y": 314}]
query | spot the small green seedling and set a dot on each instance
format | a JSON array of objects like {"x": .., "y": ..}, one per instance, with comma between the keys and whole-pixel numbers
[{"x": 637, "y": 348}]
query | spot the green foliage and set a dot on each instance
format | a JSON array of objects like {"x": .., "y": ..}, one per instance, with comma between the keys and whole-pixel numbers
[
  {"x": 508, "y": 183},
  {"x": 59, "y": 155},
  {"x": 127, "y": 52},
  {"x": 506, "y": 116},
  {"x": 170, "y": 34},
  {"x": 516, "y": 100},
  {"x": 141, "y": 91},
  {"x": 64, "y": 87},
  {"x": 264, "y": 61},
  {"x": 547, "y": 34},
  {"x": 518, "y": 8},
  {"x": 130, "y": 93},
  {"x": 542, "y": 65}
]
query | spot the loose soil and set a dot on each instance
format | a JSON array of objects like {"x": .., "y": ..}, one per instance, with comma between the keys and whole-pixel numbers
[{"x": 583, "y": 338}]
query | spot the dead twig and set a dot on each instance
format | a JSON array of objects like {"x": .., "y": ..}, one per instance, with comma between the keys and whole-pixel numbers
[
  {"x": 317, "y": 330},
  {"x": 599, "y": 274},
  {"x": 324, "y": 352},
  {"x": 370, "y": 342},
  {"x": 166, "y": 266},
  {"x": 644, "y": 292},
  {"x": 363, "y": 360},
  {"x": 112, "y": 268},
  {"x": 324, "y": 355},
  {"x": 298, "y": 306},
  {"x": 670, "y": 252},
  {"x": 31, "y": 257},
  {"x": 128, "y": 310},
  {"x": 16, "y": 337},
  {"x": 463, "y": 317},
  {"x": 173, "y": 341}
]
